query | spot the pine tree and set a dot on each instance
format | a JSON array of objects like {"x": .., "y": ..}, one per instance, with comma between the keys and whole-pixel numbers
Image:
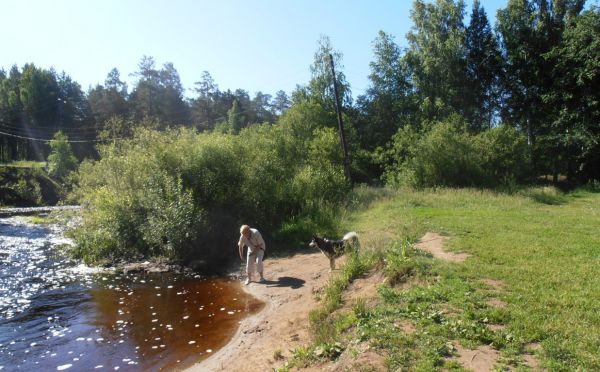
[{"x": 484, "y": 67}]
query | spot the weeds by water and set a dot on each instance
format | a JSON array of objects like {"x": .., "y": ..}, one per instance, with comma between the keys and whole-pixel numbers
[
  {"x": 24, "y": 164},
  {"x": 41, "y": 220}
]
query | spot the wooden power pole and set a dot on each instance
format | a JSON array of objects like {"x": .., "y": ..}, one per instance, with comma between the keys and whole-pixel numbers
[{"x": 338, "y": 110}]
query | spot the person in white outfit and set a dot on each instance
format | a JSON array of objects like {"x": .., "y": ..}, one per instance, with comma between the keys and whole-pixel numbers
[{"x": 256, "y": 250}]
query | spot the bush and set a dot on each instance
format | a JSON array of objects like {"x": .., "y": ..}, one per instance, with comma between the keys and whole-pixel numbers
[
  {"x": 61, "y": 160},
  {"x": 28, "y": 190},
  {"x": 504, "y": 156},
  {"x": 183, "y": 195},
  {"x": 26, "y": 187},
  {"x": 448, "y": 155}
]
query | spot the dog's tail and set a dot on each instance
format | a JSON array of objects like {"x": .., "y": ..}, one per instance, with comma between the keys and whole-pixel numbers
[{"x": 351, "y": 238}]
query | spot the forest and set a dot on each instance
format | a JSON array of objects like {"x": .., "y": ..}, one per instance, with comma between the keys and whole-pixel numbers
[{"x": 465, "y": 104}]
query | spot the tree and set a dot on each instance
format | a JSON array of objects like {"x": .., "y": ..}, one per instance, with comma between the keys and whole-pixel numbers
[
  {"x": 523, "y": 53},
  {"x": 10, "y": 97},
  {"x": 144, "y": 98},
  {"x": 158, "y": 94},
  {"x": 320, "y": 87},
  {"x": 39, "y": 95},
  {"x": 235, "y": 119},
  {"x": 39, "y": 116},
  {"x": 113, "y": 82},
  {"x": 109, "y": 101},
  {"x": 484, "y": 67},
  {"x": 173, "y": 107},
  {"x": 203, "y": 110},
  {"x": 74, "y": 116},
  {"x": 261, "y": 108},
  {"x": 575, "y": 97},
  {"x": 281, "y": 103},
  {"x": 388, "y": 102},
  {"x": 11, "y": 116},
  {"x": 436, "y": 57},
  {"x": 530, "y": 30},
  {"x": 61, "y": 160},
  {"x": 73, "y": 107}
]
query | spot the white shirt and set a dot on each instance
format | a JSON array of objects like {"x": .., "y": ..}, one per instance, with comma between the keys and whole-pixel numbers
[{"x": 255, "y": 242}]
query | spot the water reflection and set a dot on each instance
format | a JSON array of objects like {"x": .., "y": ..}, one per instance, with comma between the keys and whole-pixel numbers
[
  {"x": 170, "y": 320},
  {"x": 27, "y": 265},
  {"x": 56, "y": 316}
]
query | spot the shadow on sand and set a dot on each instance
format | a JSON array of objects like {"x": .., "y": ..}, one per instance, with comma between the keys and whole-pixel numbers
[{"x": 285, "y": 281}]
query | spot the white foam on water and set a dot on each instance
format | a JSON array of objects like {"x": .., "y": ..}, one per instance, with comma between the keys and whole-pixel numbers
[{"x": 32, "y": 262}]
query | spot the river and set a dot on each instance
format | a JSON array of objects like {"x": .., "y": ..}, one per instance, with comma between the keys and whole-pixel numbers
[{"x": 57, "y": 314}]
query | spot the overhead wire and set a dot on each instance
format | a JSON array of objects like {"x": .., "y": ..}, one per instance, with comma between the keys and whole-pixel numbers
[
  {"x": 47, "y": 130},
  {"x": 81, "y": 134},
  {"x": 17, "y": 132},
  {"x": 50, "y": 139}
]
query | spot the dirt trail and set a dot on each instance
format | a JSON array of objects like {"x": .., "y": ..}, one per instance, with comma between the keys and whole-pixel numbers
[
  {"x": 434, "y": 244},
  {"x": 282, "y": 325}
]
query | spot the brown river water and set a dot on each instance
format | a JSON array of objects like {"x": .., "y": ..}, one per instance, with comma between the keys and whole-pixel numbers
[{"x": 57, "y": 315}]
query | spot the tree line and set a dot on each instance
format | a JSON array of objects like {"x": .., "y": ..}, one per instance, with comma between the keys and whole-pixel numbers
[
  {"x": 35, "y": 103},
  {"x": 519, "y": 96},
  {"x": 535, "y": 71}
]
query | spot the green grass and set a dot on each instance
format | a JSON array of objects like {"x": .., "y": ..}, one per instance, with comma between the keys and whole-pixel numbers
[
  {"x": 24, "y": 164},
  {"x": 541, "y": 244},
  {"x": 41, "y": 220}
]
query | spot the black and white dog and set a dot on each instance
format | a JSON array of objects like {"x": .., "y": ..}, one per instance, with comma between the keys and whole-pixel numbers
[{"x": 333, "y": 249}]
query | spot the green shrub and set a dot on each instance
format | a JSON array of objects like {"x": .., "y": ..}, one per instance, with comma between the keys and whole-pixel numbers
[
  {"x": 444, "y": 156},
  {"x": 448, "y": 155},
  {"x": 27, "y": 187},
  {"x": 61, "y": 160},
  {"x": 28, "y": 190},
  {"x": 504, "y": 156},
  {"x": 183, "y": 195}
]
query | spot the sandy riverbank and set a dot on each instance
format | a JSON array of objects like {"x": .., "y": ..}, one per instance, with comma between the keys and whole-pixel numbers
[{"x": 283, "y": 324}]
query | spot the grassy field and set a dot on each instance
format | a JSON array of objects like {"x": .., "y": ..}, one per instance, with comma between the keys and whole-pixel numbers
[{"x": 539, "y": 248}]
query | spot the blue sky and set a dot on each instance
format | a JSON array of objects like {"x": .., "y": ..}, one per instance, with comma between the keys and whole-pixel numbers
[{"x": 256, "y": 45}]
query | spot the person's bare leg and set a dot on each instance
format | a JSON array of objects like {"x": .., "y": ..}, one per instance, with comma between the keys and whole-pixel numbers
[
  {"x": 259, "y": 265},
  {"x": 249, "y": 269}
]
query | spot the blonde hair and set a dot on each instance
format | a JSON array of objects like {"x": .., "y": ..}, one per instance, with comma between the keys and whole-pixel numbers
[{"x": 244, "y": 228}]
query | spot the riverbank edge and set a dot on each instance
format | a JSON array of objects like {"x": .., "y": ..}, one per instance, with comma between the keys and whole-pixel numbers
[{"x": 28, "y": 211}]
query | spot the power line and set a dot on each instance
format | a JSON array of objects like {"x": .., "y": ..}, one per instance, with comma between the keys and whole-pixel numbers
[
  {"x": 48, "y": 130},
  {"x": 70, "y": 141},
  {"x": 34, "y": 133},
  {"x": 26, "y": 132}
]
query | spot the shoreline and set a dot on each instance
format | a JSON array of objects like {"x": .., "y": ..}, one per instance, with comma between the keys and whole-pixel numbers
[
  {"x": 28, "y": 211},
  {"x": 264, "y": 340}
]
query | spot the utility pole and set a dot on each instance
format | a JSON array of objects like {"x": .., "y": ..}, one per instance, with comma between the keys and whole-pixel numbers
[{"x": 338, "y": 109}]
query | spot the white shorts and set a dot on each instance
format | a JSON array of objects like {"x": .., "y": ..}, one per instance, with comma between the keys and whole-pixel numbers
[{"x": 255, "y": 260}]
